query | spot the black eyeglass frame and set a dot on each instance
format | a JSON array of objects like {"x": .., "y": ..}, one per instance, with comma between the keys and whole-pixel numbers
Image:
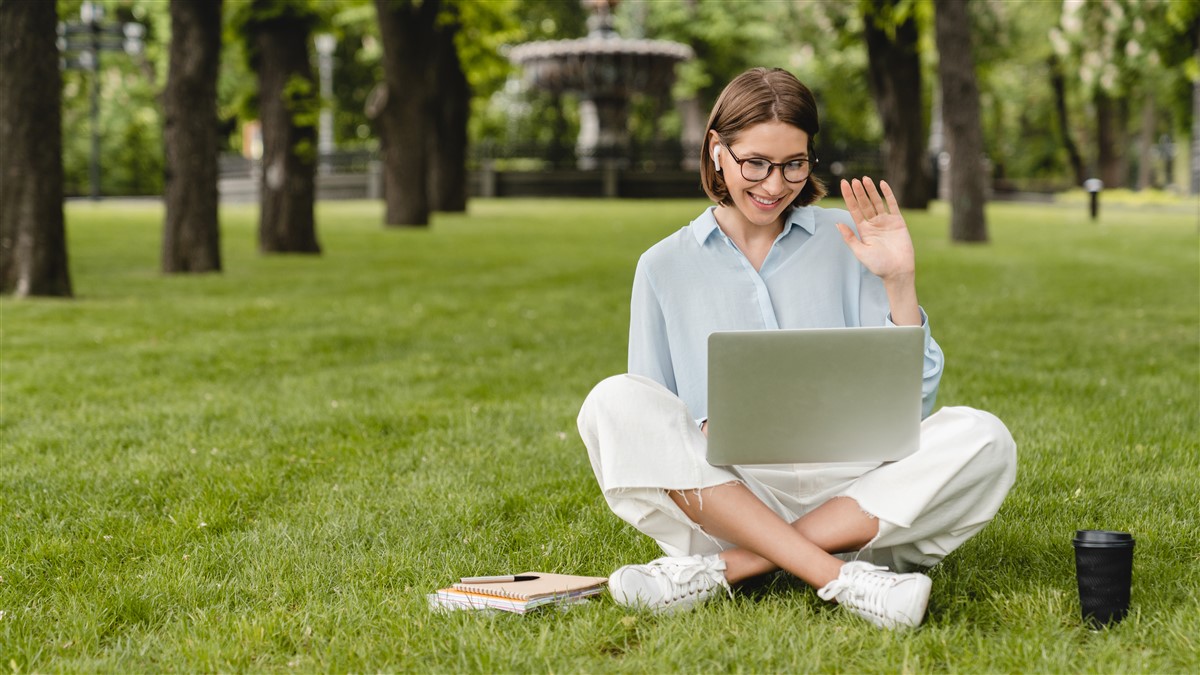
[{"x": 811, "y": 162}]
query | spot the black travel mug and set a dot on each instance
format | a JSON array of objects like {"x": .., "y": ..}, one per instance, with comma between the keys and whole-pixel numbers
[{"x": 1104, "y": 570}]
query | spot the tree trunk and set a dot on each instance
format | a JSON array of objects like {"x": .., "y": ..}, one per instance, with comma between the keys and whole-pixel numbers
[
  {"x": 895, "y": 77},
  {"x": 406, "y": 28},
  {"x": 33, "y": 242},
  {"x": 960, "y": 117},
  {"x": 289, "y": 107},
  {"x": 1110, "y": 127},
  {"x": 1195, "y": 163},
  {"x": 451, "y": 110},
  {"x": 1059, "y": 85},
  {"x": 191, "y": 236},
  {"x": 1146, "y": 143}
]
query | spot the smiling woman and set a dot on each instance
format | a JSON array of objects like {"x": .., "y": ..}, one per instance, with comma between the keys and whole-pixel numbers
[
  {"x": 756, "y": 197},
  {"x": 766, "y": 258}
]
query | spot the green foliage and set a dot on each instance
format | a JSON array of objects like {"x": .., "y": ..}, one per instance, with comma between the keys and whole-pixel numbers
[
  {"x": 484, "y": 28},
  {"x": 129, "y": 116},
  {"x": 130, "y": 126},
  {"x": 830, "y": 57},
  {"x": 237, "y": 86},
  {"x": 356, "y": 71},
  {"x": 1132, "y": 50},
  {"x": 265, "y": 470},
  {"x": 300, "y": 97},
  {"x": 727, "y": 38},
  {"x": 246, "y": 17},
  {"x": 1020, "y": 123},
  {"x": 242, "y": 21},
  {"x": 237, "y": 83},
  {"x": 888, "y": 15},
  {"x": 501, "y": 111},
  {"x": 132, "y": 164},
  {"x": 1113, "y": 43},
  {"x": 821, "y": 42},
  {"x": 1179, "y": 45}
]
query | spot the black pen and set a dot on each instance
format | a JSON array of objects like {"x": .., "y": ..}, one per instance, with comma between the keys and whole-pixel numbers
[{"x": 499, "y": 579}]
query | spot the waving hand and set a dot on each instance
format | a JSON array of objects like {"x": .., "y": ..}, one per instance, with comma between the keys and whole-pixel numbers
[{"x": 882, "y": 244}]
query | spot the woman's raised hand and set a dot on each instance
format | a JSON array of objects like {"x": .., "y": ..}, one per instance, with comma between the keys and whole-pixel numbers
[{"x": 883, "y": 244}]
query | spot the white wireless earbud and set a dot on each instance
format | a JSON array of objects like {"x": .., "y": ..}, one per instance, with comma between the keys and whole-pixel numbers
[{"x": 716, "y": 155}]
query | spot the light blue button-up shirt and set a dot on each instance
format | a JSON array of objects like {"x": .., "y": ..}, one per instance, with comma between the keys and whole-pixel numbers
[{"x": 696, "y": 281}]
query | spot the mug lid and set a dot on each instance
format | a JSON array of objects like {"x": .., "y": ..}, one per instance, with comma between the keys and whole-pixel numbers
[{"x": 1102, "y": 537}]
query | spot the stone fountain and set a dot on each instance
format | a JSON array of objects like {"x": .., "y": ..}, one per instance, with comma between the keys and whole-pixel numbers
[{"x": 604, "y": 70}]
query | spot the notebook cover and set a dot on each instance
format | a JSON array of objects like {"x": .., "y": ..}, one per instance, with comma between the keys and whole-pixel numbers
[{"x": 546, "y": 585}]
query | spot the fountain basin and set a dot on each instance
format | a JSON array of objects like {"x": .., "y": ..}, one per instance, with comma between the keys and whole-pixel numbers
[{"x": 601, "y": 67}]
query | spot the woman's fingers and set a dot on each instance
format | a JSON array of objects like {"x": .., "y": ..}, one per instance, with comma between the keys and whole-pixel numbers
[
  {"x": 891, "y": 197},
  {"x": 851, "y": 201},
  {"x": 873, "y": 194},
  {"x": 865, "y": 205},
  {"x": 864, "y": 200}
]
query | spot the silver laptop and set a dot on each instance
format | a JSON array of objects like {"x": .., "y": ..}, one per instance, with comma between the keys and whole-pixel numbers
[{"x": 818, "y": 395}]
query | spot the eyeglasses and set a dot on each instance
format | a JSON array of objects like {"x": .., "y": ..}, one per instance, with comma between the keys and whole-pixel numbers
[{"x": 757, "y": 169}]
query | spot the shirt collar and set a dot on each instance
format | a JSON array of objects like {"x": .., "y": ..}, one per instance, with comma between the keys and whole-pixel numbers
[
  {"x": 705, "y": 225},
  {"x": 801, "y": 216}
]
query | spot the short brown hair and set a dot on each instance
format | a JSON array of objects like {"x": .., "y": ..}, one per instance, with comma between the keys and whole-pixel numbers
[{"x": 756, "y": 96}]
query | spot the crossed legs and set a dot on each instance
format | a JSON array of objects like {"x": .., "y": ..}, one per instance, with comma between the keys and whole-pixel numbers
[
  {"x": 765, "y": 542},
  {"x": 648, "y": 457}
]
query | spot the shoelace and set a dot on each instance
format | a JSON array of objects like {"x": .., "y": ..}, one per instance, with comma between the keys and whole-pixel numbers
[
  {"x": 861, "y": 589},
  {"x": 690, "y": 576}
]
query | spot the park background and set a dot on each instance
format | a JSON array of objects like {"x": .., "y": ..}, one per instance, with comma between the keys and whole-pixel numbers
[{"x": 266, "y": 466}]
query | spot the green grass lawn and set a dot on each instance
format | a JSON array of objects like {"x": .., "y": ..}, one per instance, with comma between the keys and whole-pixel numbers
[{"x": 267, "y": 469}]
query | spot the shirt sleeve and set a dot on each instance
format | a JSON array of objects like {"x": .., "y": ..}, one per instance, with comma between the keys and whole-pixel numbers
[
  {"x": 935, "y": 360},
  {"x": 649, "y": 348}
]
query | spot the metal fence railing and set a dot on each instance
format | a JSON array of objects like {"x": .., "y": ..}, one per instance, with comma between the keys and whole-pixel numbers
[{"x": 660, "y": 169}]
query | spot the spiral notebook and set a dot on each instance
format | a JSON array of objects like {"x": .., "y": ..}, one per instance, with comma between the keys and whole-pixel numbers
[{"x": 519, "y": 596}]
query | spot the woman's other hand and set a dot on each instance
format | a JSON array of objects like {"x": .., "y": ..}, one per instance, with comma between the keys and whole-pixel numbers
[{"x": 883, "y": 244}]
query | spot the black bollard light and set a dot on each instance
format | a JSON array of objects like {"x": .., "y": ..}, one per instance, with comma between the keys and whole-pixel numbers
[{"x": 1093, "y": 187}]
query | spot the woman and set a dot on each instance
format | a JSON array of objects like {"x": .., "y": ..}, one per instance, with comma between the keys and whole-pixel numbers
[{"x": 763, "y": 257}]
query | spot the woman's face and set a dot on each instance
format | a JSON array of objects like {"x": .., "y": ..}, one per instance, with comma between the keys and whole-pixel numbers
[{"x": 762, "y": 203}]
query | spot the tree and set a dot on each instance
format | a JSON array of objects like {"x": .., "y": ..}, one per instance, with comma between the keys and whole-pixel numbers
[
  {"x": 450, "y": 109},
  {"x": 1123, "y": 51},
  {"x": 1112, "y": 116},
  {"x": 277, "y": 39},
  {"x": 1195, "y": 163},
  {"x": 1059, "y": 85},
  {"x": 33, "y": 245},
  {"x": 960, "y": 115},
  {"x": 894, "y": 67},
  {"x": 408, "y": 30},
  {"x": 191, "y": 236},
  {"x": 1180, "y": 51}
]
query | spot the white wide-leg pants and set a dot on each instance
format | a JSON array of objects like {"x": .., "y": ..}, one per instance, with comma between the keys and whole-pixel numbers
[{"x": 642, "y": 441}]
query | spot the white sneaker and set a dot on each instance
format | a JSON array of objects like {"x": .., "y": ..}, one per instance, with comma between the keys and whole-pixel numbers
[
  {"x": 668, "y": 584},
  {"x": 884, "y": 598}
]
